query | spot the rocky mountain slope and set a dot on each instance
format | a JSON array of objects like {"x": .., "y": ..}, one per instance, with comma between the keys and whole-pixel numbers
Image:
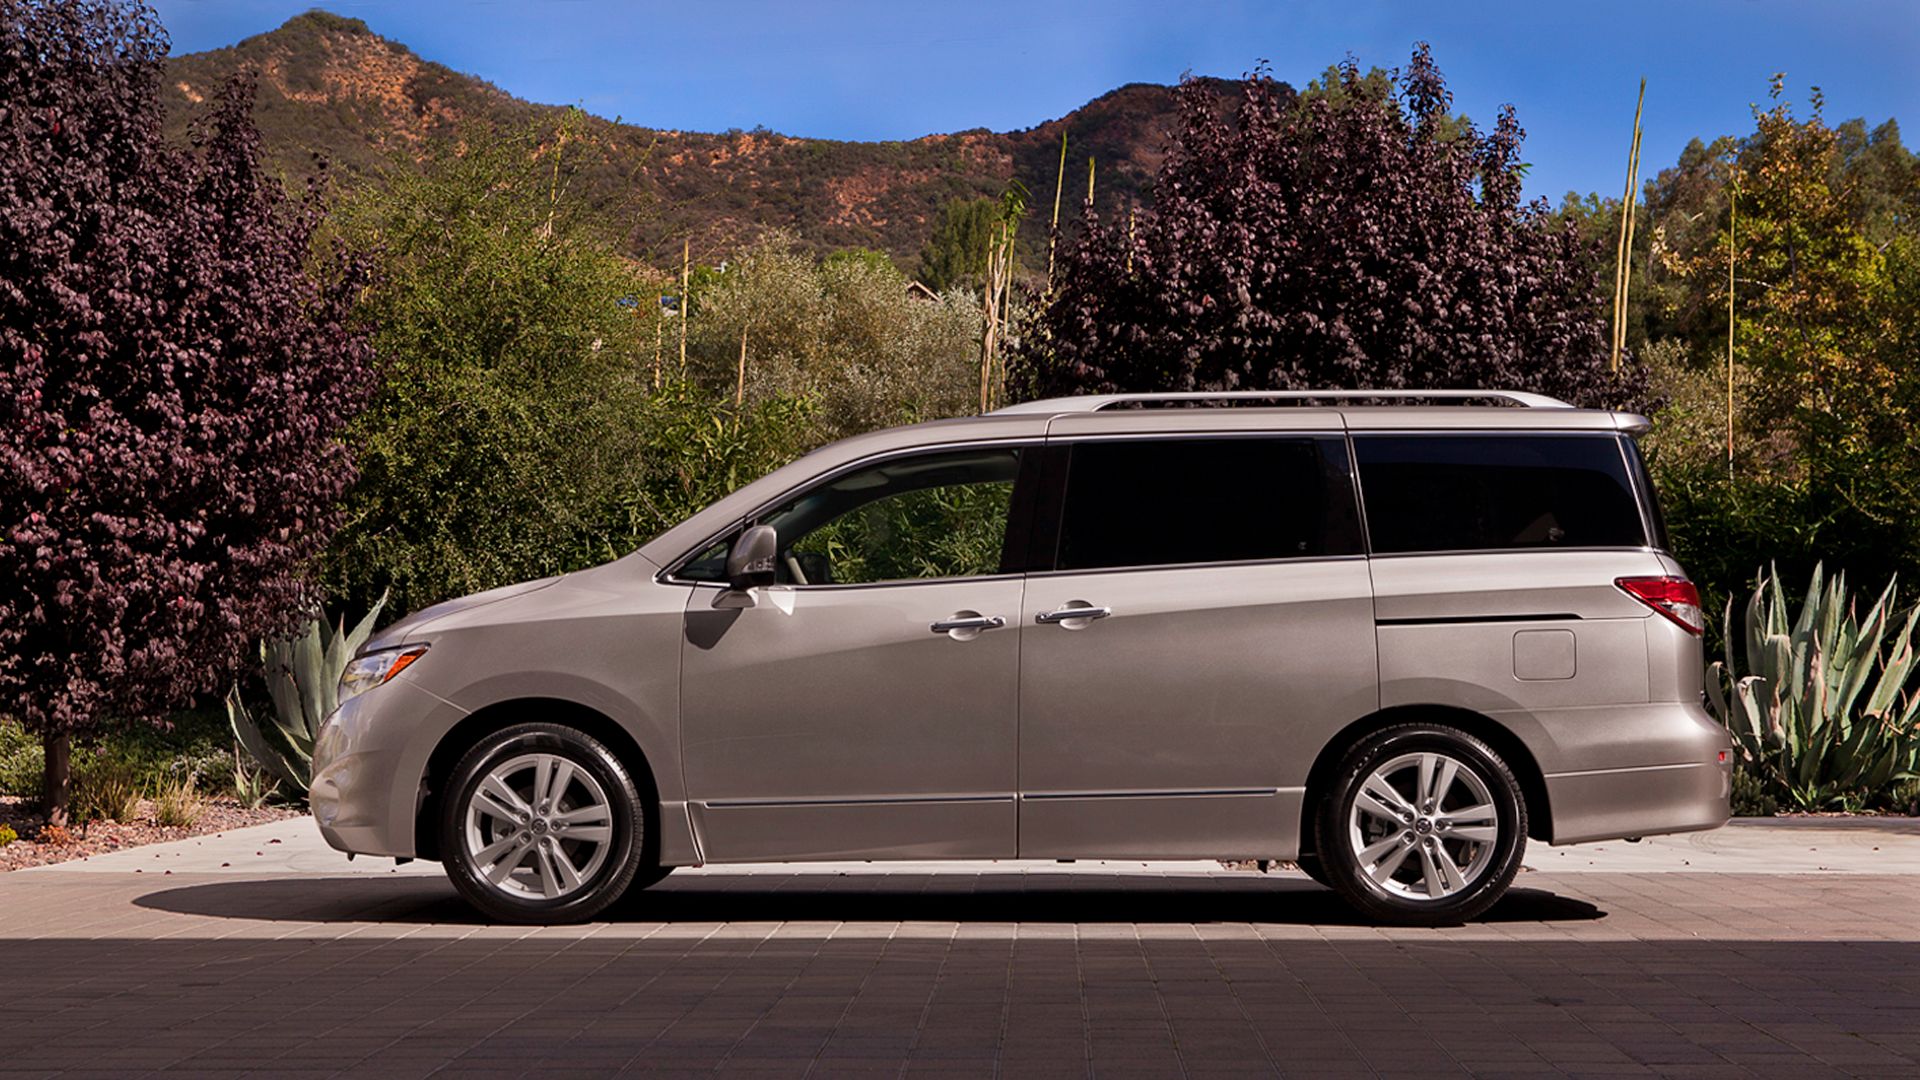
[{"x": 330, "y": 86}]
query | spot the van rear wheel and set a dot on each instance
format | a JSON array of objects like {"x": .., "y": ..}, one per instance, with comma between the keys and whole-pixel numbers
[{"x": 1425, "y": 826}]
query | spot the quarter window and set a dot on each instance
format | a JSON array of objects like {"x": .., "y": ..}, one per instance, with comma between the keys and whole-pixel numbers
[
  {"x": 1496, "y": 492},
  {"x": 1160, "y": 502}
]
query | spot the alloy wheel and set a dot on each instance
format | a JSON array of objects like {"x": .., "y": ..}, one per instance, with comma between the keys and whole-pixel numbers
[
  {"x": 538, "y": 827},
  {"x": 1423, "y": 827}
]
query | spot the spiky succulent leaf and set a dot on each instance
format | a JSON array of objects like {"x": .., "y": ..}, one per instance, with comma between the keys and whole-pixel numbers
[{"x": 252, "y": 739}]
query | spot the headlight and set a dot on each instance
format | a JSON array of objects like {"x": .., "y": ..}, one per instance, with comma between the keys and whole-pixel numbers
[{"x": 366, "y": 672}]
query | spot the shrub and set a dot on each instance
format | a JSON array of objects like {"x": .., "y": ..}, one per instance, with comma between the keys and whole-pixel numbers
[
  {"x": 845, "y": 333},
  {"x": 1905, "y": 798},
  {"x": 21, "y": 761},
  {"x": 54, "y": 836},
  {"x": 504, "y": 423},
  {"x": 1821, "y": 706},
  {"x": 697, "y": 449},
  {"x": 1750, "y": 797},
  {"x": 7, "y": 835},
  {"x": 193, "y": 744}
]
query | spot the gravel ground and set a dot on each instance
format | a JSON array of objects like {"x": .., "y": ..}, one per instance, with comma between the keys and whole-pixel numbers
[{"x": 100, "y": 837}]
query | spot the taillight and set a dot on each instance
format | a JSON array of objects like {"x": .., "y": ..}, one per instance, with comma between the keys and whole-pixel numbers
[{"x": 1674, "y": 597}]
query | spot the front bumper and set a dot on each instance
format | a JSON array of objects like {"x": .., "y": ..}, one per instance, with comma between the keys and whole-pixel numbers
[{"x": 367, "y": 764}]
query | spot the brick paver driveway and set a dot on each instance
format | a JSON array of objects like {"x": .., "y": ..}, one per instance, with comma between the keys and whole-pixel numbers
[{"x": 971, "y": 972}]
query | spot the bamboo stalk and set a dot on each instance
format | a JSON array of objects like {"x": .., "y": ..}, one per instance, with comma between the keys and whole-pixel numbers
[
  {"x": 1089, "y": 181},
  {"x": 740, "y": 379},
  {"x": 1633, "y": 220},
  {"x": 1059, "y": 183},
  {"x": 659, "y": 332},
  {"x": 986, "y": 362},
  {"x": 986, "y": 332},
  {"x": 1733, "y": 194},
  {"x": 1623, "y": 265},
  {"x": 686, "y": 251},
  {"x": 553, "y": 187},
  {"x": 994, "y": 307},
  {"x": 986, "y": 324},
  {"x": 989, "y": 333}
]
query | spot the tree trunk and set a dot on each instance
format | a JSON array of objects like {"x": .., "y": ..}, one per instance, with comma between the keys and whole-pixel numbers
[{"x": 56, "y": 781}]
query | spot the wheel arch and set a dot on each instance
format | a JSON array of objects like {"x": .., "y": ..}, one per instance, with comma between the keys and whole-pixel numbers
[
  {"x": 500, "y": 715},
  {"x": 1510, "y": 747}
]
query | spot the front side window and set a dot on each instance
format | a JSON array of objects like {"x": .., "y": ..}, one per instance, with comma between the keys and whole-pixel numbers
[
  {"x": 1169, "y": 502},
  {"x": 938, "y": 515},
  {"x": 1496, "y": 492}
]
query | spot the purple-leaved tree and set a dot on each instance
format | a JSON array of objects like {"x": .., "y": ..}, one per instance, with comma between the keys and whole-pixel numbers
[
  {"x": 1359, "y": 236},
  {"x": 175, "y": 371}
]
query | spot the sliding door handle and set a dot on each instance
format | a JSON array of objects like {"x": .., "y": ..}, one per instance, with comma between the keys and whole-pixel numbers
[
  {"x": 1072, "y": 613},
  {"x": 974, "y": 623}
]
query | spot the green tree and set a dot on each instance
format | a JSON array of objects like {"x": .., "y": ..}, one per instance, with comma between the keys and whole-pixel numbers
[
  {"x": 1826, "y": 393},
  {"x": 694, "y": 449},
  {"x": 514, "y": 365},
  {"x": 955, "y": 256},
  {"x": 847, "y": 334}
]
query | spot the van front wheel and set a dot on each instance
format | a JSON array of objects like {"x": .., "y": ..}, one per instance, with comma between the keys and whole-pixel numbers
[
  {"x": 543, "y": 825},
  {"x": 1425, "y": 825}
]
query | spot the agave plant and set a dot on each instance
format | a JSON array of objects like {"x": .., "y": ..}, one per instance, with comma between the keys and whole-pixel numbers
[
  {"x": 253, "y": 783},
  {"x": 1823, "y": 712},
  {"x": 303, "y": 679}
]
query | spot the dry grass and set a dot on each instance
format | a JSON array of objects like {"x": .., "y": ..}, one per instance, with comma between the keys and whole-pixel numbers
[
  {"x": 109, "y": 792},
  {"x": 176, "y": 803}
]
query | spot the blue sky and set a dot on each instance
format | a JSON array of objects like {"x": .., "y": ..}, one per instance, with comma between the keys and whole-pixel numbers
[{"x": 900, "y": 69}]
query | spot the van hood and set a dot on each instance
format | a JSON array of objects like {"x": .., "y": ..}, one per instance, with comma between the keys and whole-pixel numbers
[{"x": 415, "y": 624}]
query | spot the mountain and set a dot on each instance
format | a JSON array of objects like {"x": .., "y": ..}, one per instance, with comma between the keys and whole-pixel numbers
[{"x": 331, "y": 86}]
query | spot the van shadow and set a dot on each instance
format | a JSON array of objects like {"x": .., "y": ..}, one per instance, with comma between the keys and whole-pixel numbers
[{"x": 827, "y": 897}]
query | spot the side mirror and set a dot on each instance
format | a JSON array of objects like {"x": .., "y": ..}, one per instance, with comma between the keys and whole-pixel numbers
[{"x": 750, "y": 564}]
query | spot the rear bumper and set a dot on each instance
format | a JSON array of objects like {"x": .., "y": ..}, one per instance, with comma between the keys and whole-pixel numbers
[
  {"x": 1638, "y": 802},
  {"x": 1687, "y": 794}
]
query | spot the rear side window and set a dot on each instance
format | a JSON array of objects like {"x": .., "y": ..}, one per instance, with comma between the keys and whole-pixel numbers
[
  {"x": 1496, "y": 492},
  {"x": 1164, "y": 502},
  {"x": 1647, "y": 496}
]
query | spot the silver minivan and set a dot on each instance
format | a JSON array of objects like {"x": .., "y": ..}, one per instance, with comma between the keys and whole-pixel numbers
[{"x": 1388, "y": 642}]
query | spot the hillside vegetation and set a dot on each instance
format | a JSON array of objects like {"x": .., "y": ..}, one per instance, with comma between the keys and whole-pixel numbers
[{"x": 331, "y": 86}]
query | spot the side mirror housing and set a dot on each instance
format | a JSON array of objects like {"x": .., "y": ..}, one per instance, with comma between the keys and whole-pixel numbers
[{"x": 751, "y": 562}]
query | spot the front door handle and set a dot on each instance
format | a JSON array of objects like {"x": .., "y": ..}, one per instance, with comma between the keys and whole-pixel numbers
[
  {"x": 965, "y": 625},
  {"x": 1073, "y": 612}
]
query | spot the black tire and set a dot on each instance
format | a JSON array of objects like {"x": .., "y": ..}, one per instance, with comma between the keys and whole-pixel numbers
[
  {"x": 1311, "y": 866},
  {"x": 602, "y": 884},
  {"x": 1431, "y": 836}
]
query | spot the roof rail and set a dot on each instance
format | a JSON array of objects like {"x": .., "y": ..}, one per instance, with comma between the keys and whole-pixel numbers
[{"x": 1088, "y": 403}]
